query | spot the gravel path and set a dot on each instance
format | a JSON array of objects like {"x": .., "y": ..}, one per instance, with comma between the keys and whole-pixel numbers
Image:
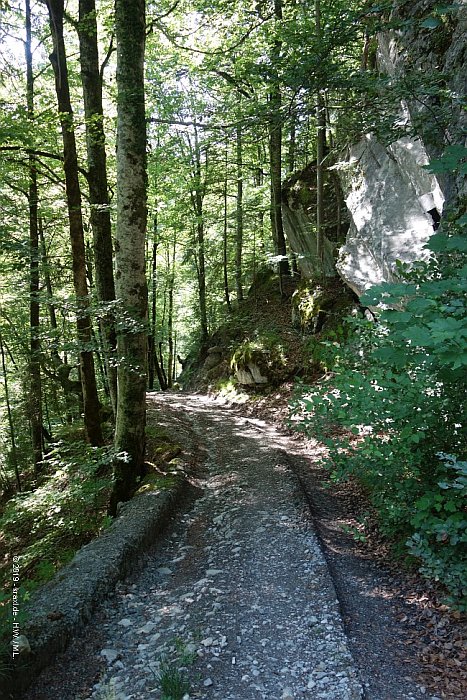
[{"x": 237, "y": 601}]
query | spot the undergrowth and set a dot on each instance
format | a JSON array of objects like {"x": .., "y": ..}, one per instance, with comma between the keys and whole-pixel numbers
[
  {"x": 396, "y": 390},
  {"x": 43, "y": 527}
]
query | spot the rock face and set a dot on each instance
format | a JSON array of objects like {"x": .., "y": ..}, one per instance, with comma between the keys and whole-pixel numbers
[
  {"x": 432, "y": 48},
  {"x": 299, "y": 215},
  {"x": 395, "y": 205},
  {"x": 250, "y": 375}
]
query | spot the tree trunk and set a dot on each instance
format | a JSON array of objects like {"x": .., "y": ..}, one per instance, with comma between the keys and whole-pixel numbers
[
  {"x": 292, "y": 140},
  {"x": 35, "y": 394},
  {"x": 225, "y": 260},
  {"x": 130, "y": 24},
  {"x": 14, "y": 453},
  {"x": 320, "y": 153},
  {"x": 48, "y": 282},
  {"x": 97, "y": 178},
  {"x": 239, "y": 217},
  {"x": 198, "y": 206},
  {"x": 275, "y": 157},
  {"x": 153, "y": 361},
  {"x": 73, "y": 192},
  {"x": 170, "y": 315}
]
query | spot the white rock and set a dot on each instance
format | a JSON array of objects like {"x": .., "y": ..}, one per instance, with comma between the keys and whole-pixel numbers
[
  {"x": 147, "y": 629},
  {"x": 389, "y": 195},
  {"x": 126, "y": 622},
  {"x": 109, "y": 654},
  {"x": 208, "y": 682},
  {"x": 21, "y": 644}
]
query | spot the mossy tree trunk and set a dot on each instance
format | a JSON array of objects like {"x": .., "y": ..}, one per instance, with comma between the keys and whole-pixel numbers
[
  {"x": 73, "y": 193},
  {"x": 130, "y": 275},
  {"x": 320, "y": 154},
  {"x": 35, "y": 382},
  {"x": 98, "y": 189}
]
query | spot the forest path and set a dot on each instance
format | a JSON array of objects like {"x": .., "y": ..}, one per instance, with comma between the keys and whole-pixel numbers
[{"x": 237, "y": 594}]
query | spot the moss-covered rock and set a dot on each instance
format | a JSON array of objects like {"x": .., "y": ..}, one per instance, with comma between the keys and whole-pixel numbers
[
  {"x": 259, "y": 361},
  {"x": 318, "y": 307}
]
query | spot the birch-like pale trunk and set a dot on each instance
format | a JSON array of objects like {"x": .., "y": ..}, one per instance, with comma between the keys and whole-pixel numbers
[{"x": 130, "y": 278}]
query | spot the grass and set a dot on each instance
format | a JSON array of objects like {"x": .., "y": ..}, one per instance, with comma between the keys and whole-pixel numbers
[{"x": 173, "y": 684}]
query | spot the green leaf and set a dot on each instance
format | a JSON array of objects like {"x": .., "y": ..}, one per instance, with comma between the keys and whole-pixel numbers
[
  {"x": 439, "y": 242},
  {"x": 419, "y": 336}
]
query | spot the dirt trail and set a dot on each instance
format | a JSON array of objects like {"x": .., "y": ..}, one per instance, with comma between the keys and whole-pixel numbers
[{"x": 237, "y": 600}]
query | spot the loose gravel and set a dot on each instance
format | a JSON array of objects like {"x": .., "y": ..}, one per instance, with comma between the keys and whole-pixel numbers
[
  {"x": 236, "y": 603},
  {"x": 241, "y": 598}
]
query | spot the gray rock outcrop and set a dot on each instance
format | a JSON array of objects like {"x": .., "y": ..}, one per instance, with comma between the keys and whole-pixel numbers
[{"x": 394, "y": 204}]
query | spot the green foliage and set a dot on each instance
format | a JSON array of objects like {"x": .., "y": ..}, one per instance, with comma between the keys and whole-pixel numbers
[
  {"x": 440, "y": 524},
  {"x": 397, "y": 391},
  {"x": 46, "y": 526}
]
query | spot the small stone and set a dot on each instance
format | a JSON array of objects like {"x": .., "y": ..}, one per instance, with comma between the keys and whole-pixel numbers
[
  {"x": 213, "y": 572},
  {"x": 208, "y": 682},
  {"x": 207, "y": 642},
  {"x": 21, "y": 644},
  {"x": 147, "y": 629},
  {"x": 287, "y": 694},
  {"x": 110, "y": 655},
  {"x": 126, "y": 622},
  {"x": 164, "y": 571}
]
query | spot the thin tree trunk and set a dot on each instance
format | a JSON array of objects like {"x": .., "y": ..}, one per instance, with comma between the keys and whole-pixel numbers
[
  {"x": 171, "y": 357},
  {"x": 130, "y": 23},
  {"x": 198, "y": 206},
  {"x": 98, "y": 188},
  {"x": 35, "y": 395},
  {"x": 152, "y": 326},
  {"x": 292, "y": 141},
  {"x": 225, "y": 260},
  {"x": 239, "y": 217},
  {"x": 275, "y": 157},
  {"x": 161, "y": 366},
  {"x": 320, "y": 153},
  {"x": 14, "y": 453},
  {"x": 88, "y": 379},
  {"x": 48, "y": 282},
  {"x": 152, "y": 352},
  {"x": 259, "y": 181}
]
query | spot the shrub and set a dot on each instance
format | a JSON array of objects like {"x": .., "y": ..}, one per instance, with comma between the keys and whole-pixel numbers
[{"x": 397, "y": 389}]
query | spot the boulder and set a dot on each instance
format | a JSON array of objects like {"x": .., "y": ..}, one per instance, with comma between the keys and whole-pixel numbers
[
  {"x": 250, "y": 375},
  {"x": 213, "y": 359},
  {"x": 395, "y": 205},
  {"x": 299, "y": 216}
]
